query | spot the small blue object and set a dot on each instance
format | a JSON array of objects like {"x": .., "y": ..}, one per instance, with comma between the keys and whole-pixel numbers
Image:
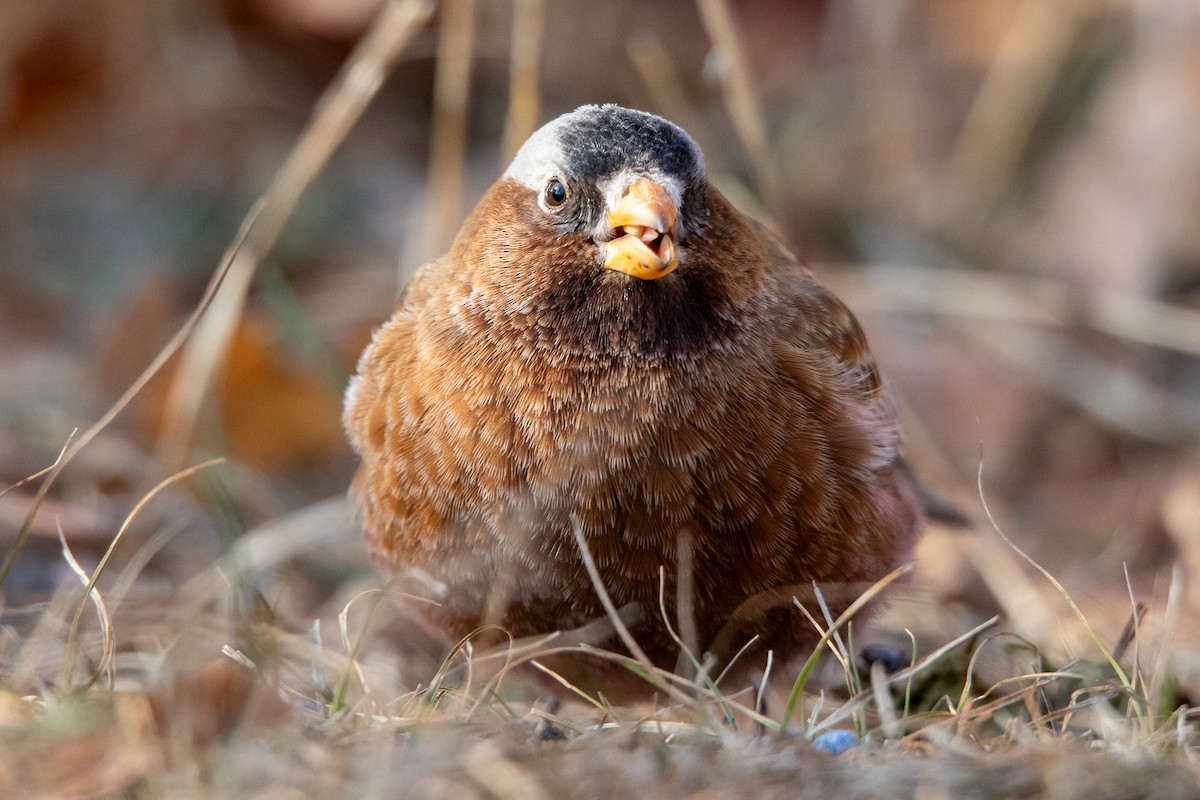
[
  {"x": 835, "y": 742},
  {"x": 893, "y": 658}
]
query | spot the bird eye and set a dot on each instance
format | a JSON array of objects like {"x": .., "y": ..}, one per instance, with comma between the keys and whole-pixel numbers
[{"x": 556, "y": 193}]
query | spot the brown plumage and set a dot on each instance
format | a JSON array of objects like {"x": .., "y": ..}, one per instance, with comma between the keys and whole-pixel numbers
[{"x": 627, "y": 350}]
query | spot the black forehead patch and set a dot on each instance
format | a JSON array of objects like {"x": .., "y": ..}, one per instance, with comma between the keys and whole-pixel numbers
[{"x": 599, "y": 141}]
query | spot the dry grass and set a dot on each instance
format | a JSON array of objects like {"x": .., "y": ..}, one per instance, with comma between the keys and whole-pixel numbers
[
  {"x": 202, "y": 689},
  {"x": 256, "y": 675}
]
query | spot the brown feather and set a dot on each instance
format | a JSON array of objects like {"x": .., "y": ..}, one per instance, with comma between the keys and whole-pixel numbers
[{"x": 519, "y": 385}]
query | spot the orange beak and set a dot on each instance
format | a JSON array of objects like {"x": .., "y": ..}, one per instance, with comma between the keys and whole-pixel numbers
[{"x": 642, "y": 220}]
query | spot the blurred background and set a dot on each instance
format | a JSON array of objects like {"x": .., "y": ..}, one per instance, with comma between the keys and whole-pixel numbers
[{"x": 1007, "y": 192}]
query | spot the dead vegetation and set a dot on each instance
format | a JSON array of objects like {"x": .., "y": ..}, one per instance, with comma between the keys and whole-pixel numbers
[{"x": 1007, "y": 188}]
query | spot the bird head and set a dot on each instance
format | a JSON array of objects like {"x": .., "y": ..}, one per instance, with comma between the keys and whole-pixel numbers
[{"x": 632, "y": 182}]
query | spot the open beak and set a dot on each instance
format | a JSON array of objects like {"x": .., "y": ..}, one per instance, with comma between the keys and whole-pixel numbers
[{"x": 642, "y": 222}]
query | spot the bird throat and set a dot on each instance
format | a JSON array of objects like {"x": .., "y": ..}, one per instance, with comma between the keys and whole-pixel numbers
[{"x": 610, "y": 313}]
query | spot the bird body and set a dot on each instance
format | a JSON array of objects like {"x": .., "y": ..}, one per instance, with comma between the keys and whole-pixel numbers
[{"x": 646, "y": 363}]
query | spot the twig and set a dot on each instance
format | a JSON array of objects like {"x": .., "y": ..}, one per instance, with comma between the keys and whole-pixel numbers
[
  {"x": 567, "y": 684},
  {"x": 623, "y": 633},
  {"x": 109, "y": 644},
  {"x": 811, "y": 663},
  {"x": 51, "y": 472},
  {"x": 353, "y": 645},
  {"x": 525, "y": 55},
  {"x": 1112, "y": 662},
  {"x": 1115, "y": 393},
  {"x": 853, "y": 704},
  {"x": 448, "y": 129},
  {"x": 598, "y": 583},
  {"x": 661, "y": 79},
  {"x": 961, "y": 292},
  {"x": 91, "y": 583},
  {"x": 738, "y": 92},
  {"x": 1005, "y": 110},
  {"x": 339, "y": 108}
]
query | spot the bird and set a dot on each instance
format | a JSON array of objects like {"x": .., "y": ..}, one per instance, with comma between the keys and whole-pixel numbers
[{"x": 610, "y": 353}]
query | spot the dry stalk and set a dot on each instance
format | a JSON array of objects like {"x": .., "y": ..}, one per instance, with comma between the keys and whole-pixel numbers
[
  {"x": 525, "y": 56},
  {"x": 448, "y": 129},
  {"x": 338, "y": 109},
  {"x": 738, "y": 91}
]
